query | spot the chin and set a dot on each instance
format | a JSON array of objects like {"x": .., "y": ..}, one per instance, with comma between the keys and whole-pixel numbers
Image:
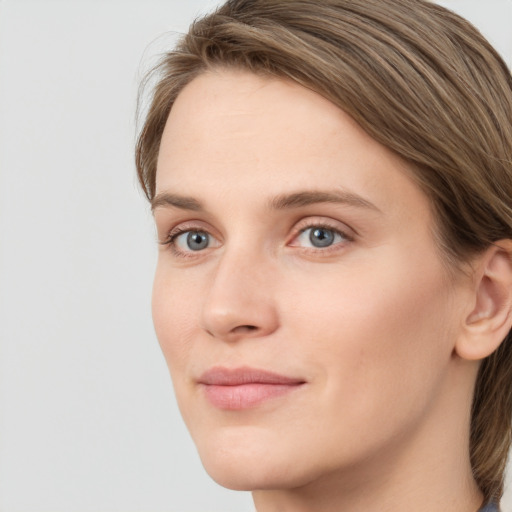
[
  {"x": 244, "y": 462},
  {"x": 237, "y": 478},
  {"x": 256, "y": 475}
]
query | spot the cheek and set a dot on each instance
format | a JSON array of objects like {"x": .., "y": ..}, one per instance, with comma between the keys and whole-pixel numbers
[
  {"x": 175, "y": 311},
  {"x": 375, "y": 331}
]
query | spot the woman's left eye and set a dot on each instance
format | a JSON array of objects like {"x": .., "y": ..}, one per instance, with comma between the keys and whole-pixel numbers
[{"x": 319, "y": 237}]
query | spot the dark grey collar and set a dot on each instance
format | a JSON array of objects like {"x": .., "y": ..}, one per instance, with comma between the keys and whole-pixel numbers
[{"x": 491, "y": 507}]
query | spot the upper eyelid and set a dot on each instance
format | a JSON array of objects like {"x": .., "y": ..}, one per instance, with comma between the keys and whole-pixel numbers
[
  {"x": 325, "y": 222},
  {"x": 186, "y": 229},
  {"x": 341, "y": 232},
  {"x": 183, "y": 226},
  {"x": 298, "y": 227}
]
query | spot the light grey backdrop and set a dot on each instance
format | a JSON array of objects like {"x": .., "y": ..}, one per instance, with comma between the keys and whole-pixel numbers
[{"x": 88, "y": 422}]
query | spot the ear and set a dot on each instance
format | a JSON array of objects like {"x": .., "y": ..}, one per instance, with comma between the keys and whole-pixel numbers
[{"x": 490, "y": 319}]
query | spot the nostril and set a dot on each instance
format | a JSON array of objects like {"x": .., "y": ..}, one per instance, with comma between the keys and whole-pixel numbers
[
  {"x": 246, "y": 328},
  {"x": 238, "y": 330}
]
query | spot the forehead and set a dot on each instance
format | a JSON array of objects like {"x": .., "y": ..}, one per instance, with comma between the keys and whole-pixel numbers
[
  {"x": 219, "y": 110},
  {"x": 231, "y": 130}
]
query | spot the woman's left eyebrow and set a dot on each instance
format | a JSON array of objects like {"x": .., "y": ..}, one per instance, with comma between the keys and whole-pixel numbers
[
  {"x": 308, "y": 197},
  {"x": 280, "y": 202}
]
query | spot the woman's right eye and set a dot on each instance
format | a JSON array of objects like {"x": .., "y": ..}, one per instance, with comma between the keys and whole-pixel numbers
[{"x": 191, "y": 240}]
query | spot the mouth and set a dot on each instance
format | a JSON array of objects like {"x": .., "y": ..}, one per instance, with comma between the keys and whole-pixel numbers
[{"x": 244, "y": 388}]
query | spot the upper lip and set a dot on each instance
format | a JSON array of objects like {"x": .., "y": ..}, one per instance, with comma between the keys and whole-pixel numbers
[{"x": 220, "y": 376}]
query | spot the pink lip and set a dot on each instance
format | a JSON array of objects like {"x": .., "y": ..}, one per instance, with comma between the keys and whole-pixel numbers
[{"x": 242, "y": 388}]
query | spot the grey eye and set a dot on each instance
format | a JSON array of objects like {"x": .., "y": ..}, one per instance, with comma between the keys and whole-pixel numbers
[
  {"x": 321, "y": 237},
  {"x": 197, "y": 240}
]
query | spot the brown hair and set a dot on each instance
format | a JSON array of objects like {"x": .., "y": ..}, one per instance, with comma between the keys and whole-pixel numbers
[{"x": 420, "y": 80}]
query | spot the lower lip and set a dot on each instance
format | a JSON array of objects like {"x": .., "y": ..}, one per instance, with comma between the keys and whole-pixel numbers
[{"x": 245, "y": 396}]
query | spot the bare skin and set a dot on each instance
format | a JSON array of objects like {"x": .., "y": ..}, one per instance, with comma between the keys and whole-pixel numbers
[{"x": 293, "y": 243}]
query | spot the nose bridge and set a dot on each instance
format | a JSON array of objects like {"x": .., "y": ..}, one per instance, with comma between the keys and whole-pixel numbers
[{"x": 240, "y": 301}]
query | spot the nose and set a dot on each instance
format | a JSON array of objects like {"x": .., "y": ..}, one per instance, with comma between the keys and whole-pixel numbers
[{"x": 240, "y": 302}]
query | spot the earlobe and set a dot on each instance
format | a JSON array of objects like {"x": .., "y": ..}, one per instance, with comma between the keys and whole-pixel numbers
[{"x": 490, "y": 319}]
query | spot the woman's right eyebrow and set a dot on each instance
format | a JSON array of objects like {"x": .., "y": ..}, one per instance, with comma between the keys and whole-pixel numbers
[
  {"x": 166, "y": 199},
  {"x": 280, "y": 202}
]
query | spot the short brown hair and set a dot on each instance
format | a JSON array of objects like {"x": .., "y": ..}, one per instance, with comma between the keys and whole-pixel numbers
[{"x": 417, "y": 78}]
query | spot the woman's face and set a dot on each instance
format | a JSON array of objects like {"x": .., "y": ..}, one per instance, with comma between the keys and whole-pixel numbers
[{"x": 300, "y": 301}]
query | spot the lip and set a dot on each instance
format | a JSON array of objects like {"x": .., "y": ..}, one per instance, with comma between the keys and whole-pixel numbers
[{"x": 245, "y": 387}]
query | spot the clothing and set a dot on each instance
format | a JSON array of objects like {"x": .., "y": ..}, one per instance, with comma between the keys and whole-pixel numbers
[{"x": 491, "y": 507}]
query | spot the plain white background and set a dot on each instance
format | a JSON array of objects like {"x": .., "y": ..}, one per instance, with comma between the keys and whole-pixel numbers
[{"x": 88, "y": 420}]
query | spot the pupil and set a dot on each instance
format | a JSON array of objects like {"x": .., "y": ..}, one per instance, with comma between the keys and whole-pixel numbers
[
  {"x": 197, "y": 241},
  {"x": 320, "y": 237}
]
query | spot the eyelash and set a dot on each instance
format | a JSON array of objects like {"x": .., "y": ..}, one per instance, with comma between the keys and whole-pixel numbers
[
  {"x": 170, "y": 241},
  {"x": 175, "y": 233},
  {"x": 325, "y": 226}
]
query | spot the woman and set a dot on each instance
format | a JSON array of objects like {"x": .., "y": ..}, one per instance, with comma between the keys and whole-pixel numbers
[{"x": 331, "y": 183}]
